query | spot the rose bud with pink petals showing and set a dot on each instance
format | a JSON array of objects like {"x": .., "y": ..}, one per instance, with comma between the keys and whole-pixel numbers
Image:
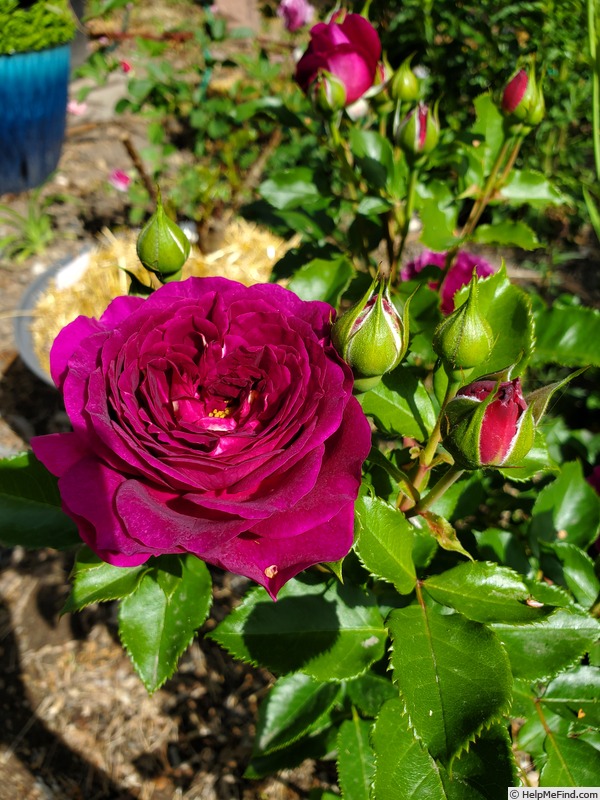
[
  {"x": 348, "y": 48},
  {"x": 488, "y": 424},
  {"x": 211, "y": 418}
]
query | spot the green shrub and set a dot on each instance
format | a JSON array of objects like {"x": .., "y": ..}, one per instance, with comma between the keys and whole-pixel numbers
[{"x": 28, "y": 26}]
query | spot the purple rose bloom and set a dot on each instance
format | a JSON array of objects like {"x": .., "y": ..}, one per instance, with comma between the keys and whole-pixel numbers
[
  {"x": 459, "y": 275},
  {"x": 211, "y": 418},
  {"x": 349, "y": 50},
  {"x": 295, "y": 14}
]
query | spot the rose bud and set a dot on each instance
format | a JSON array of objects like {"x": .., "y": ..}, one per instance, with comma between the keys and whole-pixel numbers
[
  {"x": 464, "y": 339},
  {"x": 522, "y": 99},
  {"x": 404, "y": 86},
  {"x": 328, "y": 93},
  {"x": 370, "y": 337},
  {"x": 295, "y": 14},
  {"x": 348, "y": 48},
  {"x": 162, "y": 247},
  {"x": 488, "y": 424},
  {"x": 419, "y": 132}
]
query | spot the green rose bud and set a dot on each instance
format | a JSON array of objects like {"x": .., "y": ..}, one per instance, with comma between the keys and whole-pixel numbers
[
  {"x": 418, "y": 133},
  {"x": 371, "y": 337},
  {"x": 162, "y": 247},
  {"x": 404, "y": 86},
  {"x": 488, "y": 424},
  {"x": 328, "y": 93},
  {"x": 464, "y": 339}
]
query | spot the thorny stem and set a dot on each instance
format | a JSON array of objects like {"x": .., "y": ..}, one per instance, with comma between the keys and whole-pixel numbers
[{"x": 427, "y": 455}]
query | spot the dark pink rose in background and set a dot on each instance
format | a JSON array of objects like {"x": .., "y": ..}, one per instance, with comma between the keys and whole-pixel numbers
[
  {"x": 211, "y": 418},
  {"x": 295, "y": 14},
  {"x": 459, "y": 275},
  {"x": 348, "y": 48}
]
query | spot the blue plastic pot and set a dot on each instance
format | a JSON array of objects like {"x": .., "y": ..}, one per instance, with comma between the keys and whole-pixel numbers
[{"x": 33, "y": 109}]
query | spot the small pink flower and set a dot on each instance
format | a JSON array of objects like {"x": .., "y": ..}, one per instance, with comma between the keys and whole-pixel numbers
[
  {"x": 295, "y": 14},
  {"x": 120, "y": 180},
  {"x": 125, "y": 66},
  {"x": 76, "y": 108},
  {"x": 459, "y": 275},
  {"x": 104, "y": 41}
]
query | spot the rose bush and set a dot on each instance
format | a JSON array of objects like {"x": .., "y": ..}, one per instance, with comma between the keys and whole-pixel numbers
[
  {"x": 349, "y": 50},
  {"x": 211, "y": 418}
]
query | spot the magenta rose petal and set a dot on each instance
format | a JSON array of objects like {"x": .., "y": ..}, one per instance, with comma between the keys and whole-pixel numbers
[
  {"x": 58, "y": 452},
  {"x": 272, "y": 562},
  {"x": 338, "y": 481},
  {"x": 206, "y": 417},
  {"x": 66, "y": 343}
]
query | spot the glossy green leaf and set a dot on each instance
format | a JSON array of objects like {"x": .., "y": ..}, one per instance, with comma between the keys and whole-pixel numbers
[
  {"x": 369, "y": 692},
  {"x": 571, "y": 762},
  {"x": 575, "y": 695},
  {"x": 442, "y": 531},
  {"x": 321, "y": 628},
  {"x": 503, "y": 547},
  {"x": 488, "y": 129},
  {"x": 296, "y": 706},
  {"x": 316, "y": 746},
  {"x": 577, "y": 571},
  {"x": 156, "y": 629},
  {"x": 540, "y": 650},
  {"x": 374, "y": 155},
  {"x": 508, "y": 233},
  {"x": 488, "y": 767},
  {"x": 30, "y": 512},
  {"x": 291, "y": 188},
  {"x": 355, "y": 761},
  {"x": 526, "y": 186},
  {"x": 95, "y": 581},
  {"x": 568, "y": 508},
  {"x": 385, "y": 543},
  {"x": 404, "y": 769},
  {"x": 484, "y": 592},
  {"x": 322, "y": 279},
  {"x": 452, "y": 673},
  {"x": 400, "y": 405},
  {"x": 568, "y": 335},
  {"x": 438, "y": 212}
]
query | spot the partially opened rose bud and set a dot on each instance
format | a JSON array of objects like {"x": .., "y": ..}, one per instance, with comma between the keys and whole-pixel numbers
[
  {"x": 419, "y": 132},
  {"x": 523, "y": 100},
  {"x": 404, "y": 86},
  {"x": 488, "y": 424},
  {"x": 162, "y": 247},
  {"x": 371, "y": 337},
  {"x": 464, "y": 339}
]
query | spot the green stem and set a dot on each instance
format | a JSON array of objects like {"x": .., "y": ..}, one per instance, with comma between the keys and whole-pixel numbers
[
  {"x": 592, "y": 38},
  {"x": 436, "y": 491},
  {"x": 409, "y": 207},
  {"x": 429, "y": 451},
  {"x": 421, "y": 469},
  {"x": 488, "y": 190}
]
